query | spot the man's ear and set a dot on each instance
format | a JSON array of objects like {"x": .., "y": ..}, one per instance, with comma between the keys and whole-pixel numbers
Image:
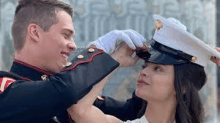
[{"x": 33, "y": 31}]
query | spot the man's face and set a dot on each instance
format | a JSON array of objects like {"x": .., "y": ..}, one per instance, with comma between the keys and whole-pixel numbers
[{"x": 57, "y": 43}]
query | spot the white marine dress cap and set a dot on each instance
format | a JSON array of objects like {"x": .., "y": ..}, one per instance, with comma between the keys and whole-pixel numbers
[{"x": 173, "y": 44}]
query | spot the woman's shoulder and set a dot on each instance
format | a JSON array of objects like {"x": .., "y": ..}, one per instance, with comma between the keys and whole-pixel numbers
[{"x": 140, "y": 120}]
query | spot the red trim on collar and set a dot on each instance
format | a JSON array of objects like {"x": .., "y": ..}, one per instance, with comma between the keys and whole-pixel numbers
[
  {"x": 90, "y": 59},
  {"x": 36, "y": 68}
]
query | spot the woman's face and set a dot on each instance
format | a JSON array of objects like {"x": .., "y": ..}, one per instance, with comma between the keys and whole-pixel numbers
[{"x": 156, "y": 82}]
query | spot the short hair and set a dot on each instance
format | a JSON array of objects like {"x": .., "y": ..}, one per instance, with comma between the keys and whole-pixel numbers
[{"x": 40, "y": 12}]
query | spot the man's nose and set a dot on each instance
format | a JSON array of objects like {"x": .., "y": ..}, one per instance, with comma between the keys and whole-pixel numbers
[{"x": 71, "y": 46}]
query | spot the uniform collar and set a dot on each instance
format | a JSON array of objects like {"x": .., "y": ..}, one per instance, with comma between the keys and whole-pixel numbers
[{"x": 28, "y": 71}]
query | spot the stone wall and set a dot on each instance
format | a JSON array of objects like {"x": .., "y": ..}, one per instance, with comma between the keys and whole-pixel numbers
[{"x": 94, "y": 18}]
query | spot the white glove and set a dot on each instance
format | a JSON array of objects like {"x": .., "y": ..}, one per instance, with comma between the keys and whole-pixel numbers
[{"x": 109, "y": 42}]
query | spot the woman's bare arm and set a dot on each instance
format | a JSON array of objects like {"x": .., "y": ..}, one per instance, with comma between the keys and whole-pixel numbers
[{"x": 85, "y": 112}]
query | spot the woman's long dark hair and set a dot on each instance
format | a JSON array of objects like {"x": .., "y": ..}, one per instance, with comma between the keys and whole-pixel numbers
[{"x": 189, "y": 79}]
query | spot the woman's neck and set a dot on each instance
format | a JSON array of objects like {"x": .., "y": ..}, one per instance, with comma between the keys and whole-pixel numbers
[{"x": 157, "y": 112}]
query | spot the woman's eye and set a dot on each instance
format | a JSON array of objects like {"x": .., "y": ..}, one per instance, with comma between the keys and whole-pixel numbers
[
  {"x": 157, "y": 68},
  {"x": 144, "y": 66}
]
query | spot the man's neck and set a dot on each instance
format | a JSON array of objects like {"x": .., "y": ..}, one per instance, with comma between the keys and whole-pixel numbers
[
  {"x": 157, "y": 112},
  {"x": 28, "y": 56}
]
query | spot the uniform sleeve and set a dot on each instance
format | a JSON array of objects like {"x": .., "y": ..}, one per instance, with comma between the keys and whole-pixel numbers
[
  {"x": 124, "y": 110},
  {"x": 38, "y": 101}
]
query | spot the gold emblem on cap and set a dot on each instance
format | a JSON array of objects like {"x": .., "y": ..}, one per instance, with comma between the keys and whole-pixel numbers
[
  {"x": 44, "y": 77},
  {"x": 91, "y": 50},
  {"x": 193, "y": 59},
  {"x": 80, "y": 56},
  {"x": 158, "y": 25},
  {"x": 68, "y": 64}
]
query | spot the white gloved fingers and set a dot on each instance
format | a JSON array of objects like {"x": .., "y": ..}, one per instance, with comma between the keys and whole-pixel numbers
[
  {"x": 109, "y": 41},
  {"x": 134, "y": 37},
  {"x": 139, "y": 35},
  {"x": 125, "y": 38}
]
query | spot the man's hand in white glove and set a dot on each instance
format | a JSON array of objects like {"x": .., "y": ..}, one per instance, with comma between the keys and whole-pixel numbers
[
  {"x": 124, "y": 55},
  {"x": 111, "y": 40}
]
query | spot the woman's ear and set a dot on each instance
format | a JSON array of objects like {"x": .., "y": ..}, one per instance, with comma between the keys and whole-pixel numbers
[{"x": 184, "y": 89}]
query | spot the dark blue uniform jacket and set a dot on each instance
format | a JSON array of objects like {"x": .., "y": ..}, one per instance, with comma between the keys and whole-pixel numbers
[{"x": 31, "y": 95}]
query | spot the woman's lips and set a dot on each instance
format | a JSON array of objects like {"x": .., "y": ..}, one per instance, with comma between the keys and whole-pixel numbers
[{"x": 141, "y": 82}]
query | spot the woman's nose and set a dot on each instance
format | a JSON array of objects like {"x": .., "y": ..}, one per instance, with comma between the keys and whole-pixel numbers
[{"x": 144, "y": 72}]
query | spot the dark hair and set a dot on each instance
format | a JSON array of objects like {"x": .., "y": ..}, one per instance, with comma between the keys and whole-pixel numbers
[
  {"x": 188, "y": 80},
  {"x": 40, "y": 12}
]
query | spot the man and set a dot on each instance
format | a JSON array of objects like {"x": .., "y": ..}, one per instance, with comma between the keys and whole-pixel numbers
[{"x": 42, "y": 84}]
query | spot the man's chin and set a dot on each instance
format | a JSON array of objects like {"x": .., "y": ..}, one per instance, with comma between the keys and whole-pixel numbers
[{"x": 60, "y": 65}]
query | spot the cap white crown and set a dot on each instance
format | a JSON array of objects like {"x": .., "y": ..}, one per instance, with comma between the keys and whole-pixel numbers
[{"x": 174, "y": 35}]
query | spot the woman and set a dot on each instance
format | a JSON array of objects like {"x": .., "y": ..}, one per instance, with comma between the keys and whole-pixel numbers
[{"x": 169, "y": 82}]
